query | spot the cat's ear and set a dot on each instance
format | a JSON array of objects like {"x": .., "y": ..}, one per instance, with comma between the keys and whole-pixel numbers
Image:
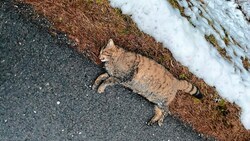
[{"x": 111, "y": 43}]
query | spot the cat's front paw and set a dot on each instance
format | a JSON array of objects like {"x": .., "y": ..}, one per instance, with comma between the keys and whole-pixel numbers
[{"x": 101, "y": 90}]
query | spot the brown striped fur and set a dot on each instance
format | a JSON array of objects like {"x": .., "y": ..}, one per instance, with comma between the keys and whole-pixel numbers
[{"x": 144, "y": 76}]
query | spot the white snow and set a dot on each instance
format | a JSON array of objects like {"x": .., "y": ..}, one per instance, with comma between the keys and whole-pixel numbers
[
  {"x": 245, "y": 5},
  {"x": 188, "y": 45},
  {"x": 226, "y": 15}
]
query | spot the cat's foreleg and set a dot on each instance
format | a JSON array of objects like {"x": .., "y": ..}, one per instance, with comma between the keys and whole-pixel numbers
[
  {"x": 99, "y": 79},
  {"x": 108, "y": 82}
]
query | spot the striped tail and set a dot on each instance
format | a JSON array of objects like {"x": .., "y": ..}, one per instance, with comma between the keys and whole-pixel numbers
[{"x": 190, "y": 88}]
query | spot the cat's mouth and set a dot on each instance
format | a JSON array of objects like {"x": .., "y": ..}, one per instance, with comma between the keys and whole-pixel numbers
[{"x": 104, "y": 60}]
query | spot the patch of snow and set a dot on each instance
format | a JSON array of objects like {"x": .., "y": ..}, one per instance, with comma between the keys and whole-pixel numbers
[
  {"x": 222, "y": 20},
  {"x": 245, "y": 5},
  {"x": 188, "y": 45}
]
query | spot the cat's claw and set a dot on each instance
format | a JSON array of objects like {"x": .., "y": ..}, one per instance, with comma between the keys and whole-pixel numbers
[
  {"x": 151, "y": 122},
  {"x": 159, "y": 122}
]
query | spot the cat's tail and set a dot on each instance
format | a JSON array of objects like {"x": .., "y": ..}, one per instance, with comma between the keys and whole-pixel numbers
[{"x": 190, "y": 88}]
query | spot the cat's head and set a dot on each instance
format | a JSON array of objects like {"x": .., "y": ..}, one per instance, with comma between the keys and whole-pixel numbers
[{"x": 109, "y": 52}]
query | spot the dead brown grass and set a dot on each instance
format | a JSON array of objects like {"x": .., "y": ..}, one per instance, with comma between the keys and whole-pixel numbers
[
  {"x": 246, "y": 63},
  {"x": 90, "y": 23}
]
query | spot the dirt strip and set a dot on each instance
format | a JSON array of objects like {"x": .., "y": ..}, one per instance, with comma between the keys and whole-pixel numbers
[{"x": 90, "y": 23}]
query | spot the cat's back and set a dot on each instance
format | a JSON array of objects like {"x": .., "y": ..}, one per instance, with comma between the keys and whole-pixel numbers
[
  {"x": 152, "y": 77},
  {"x": 151, "y": 70}
]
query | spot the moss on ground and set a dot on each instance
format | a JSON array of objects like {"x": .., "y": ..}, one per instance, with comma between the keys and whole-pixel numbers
[{"x": 222, "y": 51}]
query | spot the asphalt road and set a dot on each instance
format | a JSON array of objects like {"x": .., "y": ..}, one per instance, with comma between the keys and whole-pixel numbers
[{"x": 45, "y": 91}]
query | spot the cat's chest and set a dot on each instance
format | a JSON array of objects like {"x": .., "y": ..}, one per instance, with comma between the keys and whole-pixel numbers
[{"x": 111, "y": 68}]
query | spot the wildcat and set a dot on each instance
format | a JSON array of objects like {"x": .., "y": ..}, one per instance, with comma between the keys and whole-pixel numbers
[{"x": 144, "y": 76}]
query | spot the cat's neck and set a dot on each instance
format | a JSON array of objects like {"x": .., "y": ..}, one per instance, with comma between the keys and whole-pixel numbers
[{"x": 120, "y": 54}]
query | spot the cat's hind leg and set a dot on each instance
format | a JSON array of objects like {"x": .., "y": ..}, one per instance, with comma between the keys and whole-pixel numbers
[
  {"x": 160, "y": 113},
  {"x": 108, "y": 82},
  {"x": 99, "y": 79}
]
